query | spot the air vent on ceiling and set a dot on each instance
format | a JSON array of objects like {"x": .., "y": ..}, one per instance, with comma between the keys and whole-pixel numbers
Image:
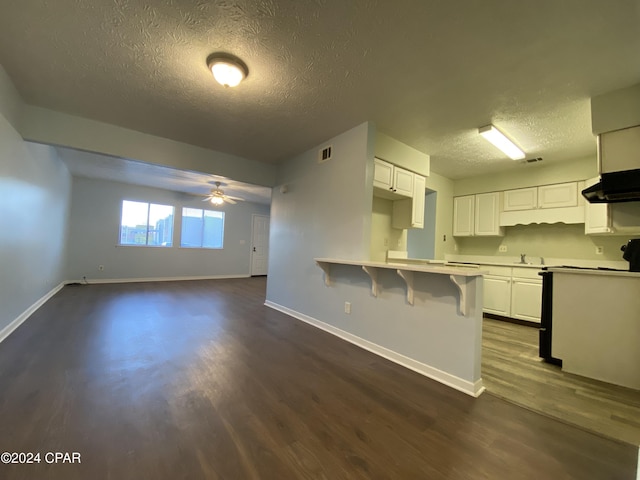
[
  {"x": 324, "y": 153},
  {"x": 532, "y": 160}
]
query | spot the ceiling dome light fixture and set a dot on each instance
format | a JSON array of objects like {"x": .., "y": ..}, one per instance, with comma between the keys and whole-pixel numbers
[{"x": 227, "y": 69}]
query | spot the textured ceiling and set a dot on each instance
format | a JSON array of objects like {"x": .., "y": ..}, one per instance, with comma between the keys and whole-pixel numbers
[{"x": 427, "y": 72}]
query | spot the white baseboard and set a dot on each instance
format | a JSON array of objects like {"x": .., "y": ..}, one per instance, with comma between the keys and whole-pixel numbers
[
  {"x": 155, "y": 279},
  {"x": 9, "y": 329},
  {"x": 470, "y": 388}
]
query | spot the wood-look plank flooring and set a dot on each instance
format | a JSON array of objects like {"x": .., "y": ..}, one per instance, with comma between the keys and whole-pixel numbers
[
  {"x": 199, "y": 380},
  {"x": 511, "y": 369}
]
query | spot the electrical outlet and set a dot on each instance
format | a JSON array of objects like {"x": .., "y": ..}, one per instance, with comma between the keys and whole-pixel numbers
[
  {"x": 599, "y": 250},
  {"x": 502, "y": 248},
  {"x": 101, "y": 267},
  {"x": 347, "y": 307},
  {"x": 386, "y": 242}
]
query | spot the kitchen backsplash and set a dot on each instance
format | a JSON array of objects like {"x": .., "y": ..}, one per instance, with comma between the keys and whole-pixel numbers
[{"x": 549, "y": 241}]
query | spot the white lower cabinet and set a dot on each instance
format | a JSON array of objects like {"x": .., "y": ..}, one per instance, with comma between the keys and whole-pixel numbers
[
  {"x": 514, "y": 292},
  {"x": 497, "y": 295},
  {"x": 526, "y": 299}
]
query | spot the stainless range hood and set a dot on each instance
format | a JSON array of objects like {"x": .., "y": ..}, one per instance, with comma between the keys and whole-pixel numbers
[{"x": 615, "y": 187}]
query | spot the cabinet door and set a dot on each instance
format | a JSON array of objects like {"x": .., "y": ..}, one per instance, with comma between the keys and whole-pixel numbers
[
  {"x": 409, "y": 212},
  {"x": 382, "y": 174},
  {"x": 463, "y": 219},
  {"x": 521, "y": 199},
  {"x": 497, "y": 295},
  {"x": 559, "y": 195},
  {"x": 619, "y": 150},
  {"x": 403, "y": 182},
  {"x": 487, "y": 215},
  {"x": 419, "y": 186},
  {"x": 597, "y": 218},
  {"x": 526, "y": 299}
]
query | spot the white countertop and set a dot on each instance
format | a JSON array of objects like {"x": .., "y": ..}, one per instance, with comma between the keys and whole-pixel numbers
[
  {"x": 460, "y": 270},
  {"x": 604, "y": 273},
  {"x": 512, "y": 261}
]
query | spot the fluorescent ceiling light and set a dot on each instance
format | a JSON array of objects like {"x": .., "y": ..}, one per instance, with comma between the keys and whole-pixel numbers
[
  {"x": 497, "y": 138},
  {"x": 227, "y": 69}
]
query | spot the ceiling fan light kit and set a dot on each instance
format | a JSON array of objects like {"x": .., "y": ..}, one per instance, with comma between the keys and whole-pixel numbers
[
  {"x": 500, "y": 141},
  {"x": 227, "y": 69},
  {"x": 217, "y": 196}
]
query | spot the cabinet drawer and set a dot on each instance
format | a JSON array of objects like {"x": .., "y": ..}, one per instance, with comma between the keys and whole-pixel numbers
[
  {"x": 523, "y": 272},
  {"x": 496, "y": 270}
]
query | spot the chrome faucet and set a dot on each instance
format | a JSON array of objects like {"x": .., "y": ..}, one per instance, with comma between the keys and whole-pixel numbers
[
  {"x": 541, "y": 260},
  {"x": 523, "y": 258}
]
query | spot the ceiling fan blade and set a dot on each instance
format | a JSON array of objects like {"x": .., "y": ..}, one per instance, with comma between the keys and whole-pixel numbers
[
  {"x": 229, "y": 200},
  {"x": 234, "y": 198}
]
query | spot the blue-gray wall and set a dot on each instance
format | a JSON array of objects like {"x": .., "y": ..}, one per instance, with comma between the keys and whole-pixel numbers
[
  {"x": 34, "y": 190},
  {"x": 94, "y": 232}
]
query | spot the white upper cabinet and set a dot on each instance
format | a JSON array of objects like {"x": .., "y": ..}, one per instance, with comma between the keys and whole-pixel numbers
[
  {"x": 558, "y": 195},
  {"x": 487, "y": 214},
  {"x": 463, "y": 217},
  {"x": 382, "y": 174},
  {"x": 390, "y": 181},
  {"x": 546, "y": 196},
  {"x": 520, "y": 199},
  {"x": 409, "y": 212},
  {"x": 477, "y": 215},
  {"x": 557, "y": 203},
  {"x": 419, "y": 191},
  {"x": 618, "y": 150},
  {"x": 597, "y": 218},
  {"x": 403, "y": 182}
]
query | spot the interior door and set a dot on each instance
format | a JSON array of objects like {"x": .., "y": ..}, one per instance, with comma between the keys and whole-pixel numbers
[{"x": 260, "y": 245}]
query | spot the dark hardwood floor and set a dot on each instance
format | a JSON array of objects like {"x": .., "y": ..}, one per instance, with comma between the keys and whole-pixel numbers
[
  {"x": 198, "y": 380},
  {"x": 511, "y": 369}
]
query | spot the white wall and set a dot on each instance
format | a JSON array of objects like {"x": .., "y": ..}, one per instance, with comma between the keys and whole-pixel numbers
[
  {"x": 34, "y": 189},
  {"x": 94, "y": 232},
  {"x": 326, "y": 212}
]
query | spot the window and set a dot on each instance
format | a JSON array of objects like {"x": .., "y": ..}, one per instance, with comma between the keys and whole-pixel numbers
[
  {"x": 146, "y": 224},
  {"x": 202, "y": 228}
]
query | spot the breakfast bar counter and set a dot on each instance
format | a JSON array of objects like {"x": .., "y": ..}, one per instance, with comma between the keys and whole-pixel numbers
[{"x": 425, "y": 317}]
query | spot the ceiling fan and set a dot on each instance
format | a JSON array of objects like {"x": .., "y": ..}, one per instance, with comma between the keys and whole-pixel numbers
[{"x": 217, "y": 196}]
